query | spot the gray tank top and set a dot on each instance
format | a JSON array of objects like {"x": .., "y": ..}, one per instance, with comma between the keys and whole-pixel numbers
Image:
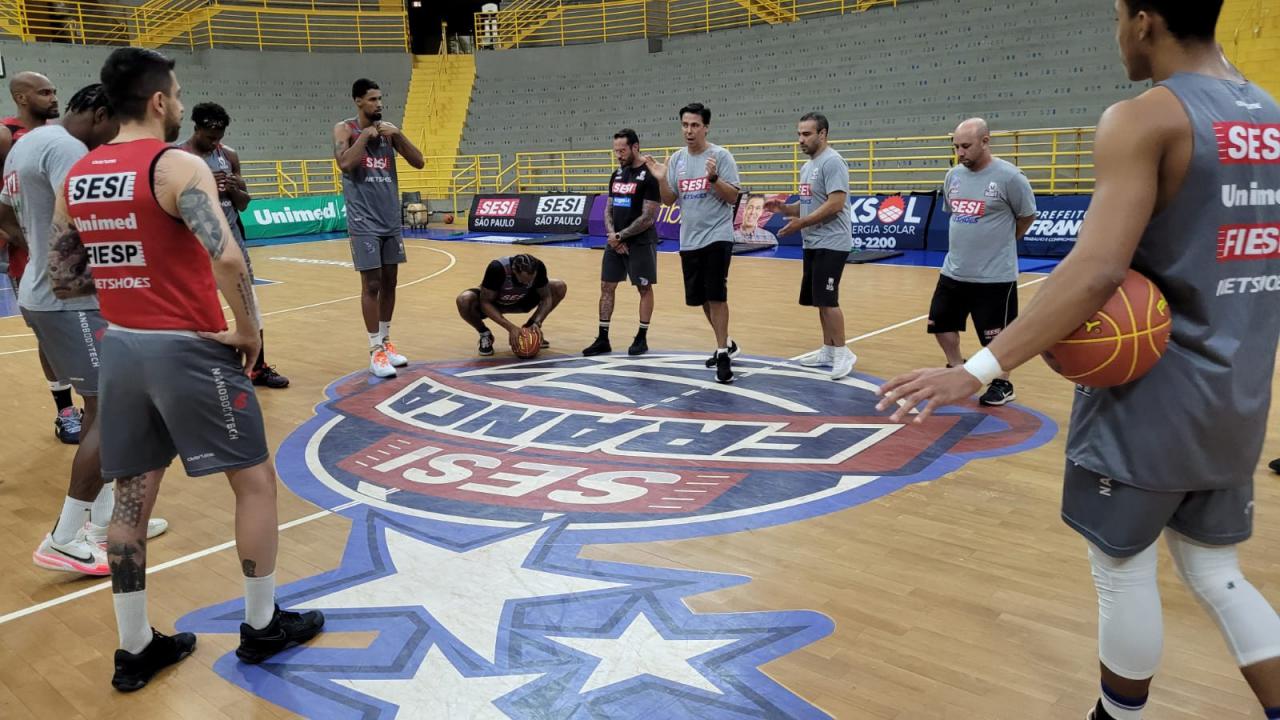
[
  {"x": 372, "y": 190},
  {"x": 219, "y": 162},
  {"x": 1197, "y": 420}
]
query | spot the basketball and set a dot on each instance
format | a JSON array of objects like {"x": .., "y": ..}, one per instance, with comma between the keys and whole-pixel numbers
[
  {"x": 1121, "y": 342},
  {"x": 530, "y": 342},
  {"x": 448, "y": 218}
]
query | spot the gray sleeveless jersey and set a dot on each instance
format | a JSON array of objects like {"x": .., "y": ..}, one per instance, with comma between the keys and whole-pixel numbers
[
  {"x": 372, "y": 189},
  {"x": 1197, "y": 420}
]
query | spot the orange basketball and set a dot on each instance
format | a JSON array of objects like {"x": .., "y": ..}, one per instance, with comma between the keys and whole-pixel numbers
[
  {"x": 1119, "y": 343},
  {"x": 530, "y": 342}
]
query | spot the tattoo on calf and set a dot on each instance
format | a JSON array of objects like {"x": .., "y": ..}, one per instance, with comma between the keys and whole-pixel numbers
[
  {"x": 128, "y": 563},
  {"x": 249, "y": 567},
  {"x": 130, "y": 497}
]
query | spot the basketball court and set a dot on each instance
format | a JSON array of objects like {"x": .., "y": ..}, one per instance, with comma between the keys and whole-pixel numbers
[{"x": 575, "y": 537}]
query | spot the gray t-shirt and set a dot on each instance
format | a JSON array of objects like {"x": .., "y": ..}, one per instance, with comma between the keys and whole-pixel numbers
[
  {"x": 704, "y": 217},
  {"x": 821, "y": 176},
  {"x": 34, "y": 172},
  {"x": 985, "y": 207}
]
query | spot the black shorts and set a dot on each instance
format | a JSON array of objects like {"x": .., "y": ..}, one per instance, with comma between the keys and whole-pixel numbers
[
  {"x": 992, "y": 305},
  {"x": 820, "y": 284},
  {"x": 528, "y": 303},
  {"x": 640, "y": 264},
  {"x": 706, "y": 273}
]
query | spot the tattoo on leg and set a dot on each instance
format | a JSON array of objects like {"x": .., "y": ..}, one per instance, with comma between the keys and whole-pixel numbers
[
  {"x": 130, "y": 498},
  {"x": 249, "y": 567},
  {"x": 128, "y": 563},
  {"x": 606, "y": 305}
]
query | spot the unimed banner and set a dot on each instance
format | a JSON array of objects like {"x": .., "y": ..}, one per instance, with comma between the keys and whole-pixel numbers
[
  {"x": 280, "y": 217},
  {"x": 531, "y": 213}
]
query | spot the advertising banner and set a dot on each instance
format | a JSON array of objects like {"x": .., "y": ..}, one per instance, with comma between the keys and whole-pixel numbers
[
  {"x": 532, "y": 213},
  {"x": 281, "y": 217},
  {"x": 1052, "y": 234}
]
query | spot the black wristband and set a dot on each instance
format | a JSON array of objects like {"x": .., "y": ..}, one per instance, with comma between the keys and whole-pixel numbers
[{"x": 713, "y": 178}]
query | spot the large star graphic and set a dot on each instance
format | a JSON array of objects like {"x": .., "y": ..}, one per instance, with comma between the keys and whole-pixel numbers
[{"x": 466, "y": 592}]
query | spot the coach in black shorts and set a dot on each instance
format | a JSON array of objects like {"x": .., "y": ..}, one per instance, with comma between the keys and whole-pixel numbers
[
  {"x": 704, "y": 178},
  {"x": 991, "y": 206},
  {"x": 632, "y": 250}
]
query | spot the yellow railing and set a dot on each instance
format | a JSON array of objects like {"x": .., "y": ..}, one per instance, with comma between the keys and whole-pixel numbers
[
  {"x": 537, "y": 23},
  {"x": 443, "y": 178},
  {"x": 557, "y": 22},
  {"x": 1057, "y": 161},
  {"x": 279, "y": 24}
]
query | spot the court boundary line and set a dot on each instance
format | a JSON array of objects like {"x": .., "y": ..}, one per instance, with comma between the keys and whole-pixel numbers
[{"x": 199, "y": 554}]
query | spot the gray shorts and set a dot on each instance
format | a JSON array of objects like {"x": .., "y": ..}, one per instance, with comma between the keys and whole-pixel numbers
[
  {"x": 369, "y": 252},
  {"x": 640, "y": 264},
  {"x": 70, "y": 340},
  {"x": 1124, "y": 520},
  {"x": 167, "y": 394}
]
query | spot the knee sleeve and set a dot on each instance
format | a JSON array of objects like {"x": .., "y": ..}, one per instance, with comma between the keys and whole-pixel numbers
[
  {"x": 1130, "y": 625},
  {"x": 1248, "y": 623}
]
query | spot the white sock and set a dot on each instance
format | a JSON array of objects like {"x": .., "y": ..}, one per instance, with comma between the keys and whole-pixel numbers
[
  {"x": 375, "y": 339},
  {"x": 259, "y": 600},
  {"x": 55, "y": 386},
  {"x": 71, "y": 519},
  {"x": 723, "y": 351},
  {"x": 131, "y": 620},
  {"x": 1121, "y": 712},
  {"x": 384, "y": 329},
  {"x": 104, "y": 505}
]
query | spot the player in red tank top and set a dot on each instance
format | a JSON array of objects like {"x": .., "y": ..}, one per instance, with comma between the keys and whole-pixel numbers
[
  {"x": 37, "y": 102},
  {"x": 139, "y": 222}
]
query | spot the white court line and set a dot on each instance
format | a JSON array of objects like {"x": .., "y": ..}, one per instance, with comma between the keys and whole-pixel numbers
[
  {"x": 453, "y": 260},
  {"x": 17, "y": 614},
  {"x": 6, "y": 337}
]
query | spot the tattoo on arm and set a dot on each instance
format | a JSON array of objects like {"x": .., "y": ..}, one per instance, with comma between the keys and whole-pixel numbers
[
  {"x": 245, "y": 287},
  {"x": 608, "y": 216},
  {"x": 647, "y": 217},
  {"x": 198, "y": 211},
  {"x": 68, "y": 263}
]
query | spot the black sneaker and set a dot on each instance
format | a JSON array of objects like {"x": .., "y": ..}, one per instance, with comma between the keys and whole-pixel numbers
[
  {"x": 1000, "y": 392},
  {"x": 639, "y": 346},
  {"x": 724, "y": 369},
  {"x": 1275, "y": 465},
  {"x": 269, "y": 377},
  {"x": 599, "y": 347},
  {"x": 733, "y": 353},
  {"x": 486, "y": 344},
  {"x": 286, "y": 630},
  {"x": 133, "y": 672}
]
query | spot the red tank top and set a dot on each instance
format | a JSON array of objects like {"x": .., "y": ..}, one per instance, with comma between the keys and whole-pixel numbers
[
  {"x": 150, "y": 271},
  {"x": 18, "y": 256}
]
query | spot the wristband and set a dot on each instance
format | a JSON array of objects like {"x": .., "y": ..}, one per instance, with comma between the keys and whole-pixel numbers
[
  {"x": 713, "y": 179},
  {"x": 984, "y": 366}
]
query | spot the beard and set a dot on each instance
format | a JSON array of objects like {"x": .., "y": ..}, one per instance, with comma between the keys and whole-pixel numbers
[{"x": 171, "y": 130}]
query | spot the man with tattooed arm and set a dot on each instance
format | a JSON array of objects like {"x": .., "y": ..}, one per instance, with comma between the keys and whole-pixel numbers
[{"x": 139, "y": 223}]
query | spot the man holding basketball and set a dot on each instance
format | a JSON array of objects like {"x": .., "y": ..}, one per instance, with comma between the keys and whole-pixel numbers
[
  {"x": 992, "y": 206},
  {"x": 1164, "y": 162},
  {"x": 516, "y": 284}
]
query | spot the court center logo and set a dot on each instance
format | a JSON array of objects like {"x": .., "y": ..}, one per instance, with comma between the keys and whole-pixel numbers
[{"x": 473, "y": 488}]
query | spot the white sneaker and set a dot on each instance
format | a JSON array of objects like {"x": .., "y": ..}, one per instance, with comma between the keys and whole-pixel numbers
[
  {"x": 397, "y": 360},
  {"x": 843, "y": 363},
  {"x": 818, "y": 358},
  {"x": 78, "y": 556},
  {"x": 98, "y": 533},
  {"x": 380, "y": 364}
]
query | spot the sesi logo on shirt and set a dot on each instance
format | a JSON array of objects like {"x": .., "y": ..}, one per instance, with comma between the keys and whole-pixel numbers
[
  {"x": 375, "y": 163},
  {"x": 693, "y": 185},
  {"x": 621, "y": 188},
  {"x": 1243, "y": 143},
  {"x": 111, "y": 187}
]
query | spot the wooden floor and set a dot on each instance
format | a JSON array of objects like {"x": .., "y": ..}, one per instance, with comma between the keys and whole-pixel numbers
[{"x": 959, "y": 598}]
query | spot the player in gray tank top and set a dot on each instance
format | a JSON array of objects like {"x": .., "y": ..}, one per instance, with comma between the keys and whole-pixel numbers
[
  {"x": 1188, "y": 193},
  {"x": 365, "y": 148},
  {"x": 211, "y": 122}
]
